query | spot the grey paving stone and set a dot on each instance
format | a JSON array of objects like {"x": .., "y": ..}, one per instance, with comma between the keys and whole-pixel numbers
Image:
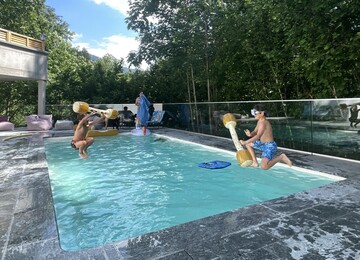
[
  {"x": 175, "y": 256},
  {"x": 247, "y": 241},
  {"x": 289, "y": 226},
  {"x": 321, "y": 223},
  {"x": 32, "y": 226},
  {"x": 49, "y": 249},
  {"x": 351, "y": 253},
  {"x": 262, "y": 254},
  {"x": 8, "y": 198},
  {"x": 33, "y": 199}
]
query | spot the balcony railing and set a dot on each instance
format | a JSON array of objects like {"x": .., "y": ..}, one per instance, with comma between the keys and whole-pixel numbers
[{"x": 22, "y": 40}]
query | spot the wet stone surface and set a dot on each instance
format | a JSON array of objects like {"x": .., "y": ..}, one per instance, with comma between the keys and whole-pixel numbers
[{"x": 322, "y": 223}]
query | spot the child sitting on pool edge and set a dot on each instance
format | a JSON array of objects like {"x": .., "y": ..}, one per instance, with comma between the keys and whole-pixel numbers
[{"x": 262, "y": 139}]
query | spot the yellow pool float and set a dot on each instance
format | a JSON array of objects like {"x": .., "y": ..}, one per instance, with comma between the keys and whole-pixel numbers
[{"x": 108, "y": 132}]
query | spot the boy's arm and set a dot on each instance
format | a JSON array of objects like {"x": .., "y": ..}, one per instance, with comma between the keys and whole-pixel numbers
[
  {"x": 252, "y": 133},
  {"x": 83, "y": 121},
  {"x": 259, "y": 131},
  {"x": 255, "y": 131}
]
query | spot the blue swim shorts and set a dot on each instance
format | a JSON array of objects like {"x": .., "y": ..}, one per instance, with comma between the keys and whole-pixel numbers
[{"x": 268, "y": 149}]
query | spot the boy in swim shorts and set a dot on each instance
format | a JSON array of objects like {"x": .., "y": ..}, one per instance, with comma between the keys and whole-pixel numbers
[{"x": 262, "y": 139}]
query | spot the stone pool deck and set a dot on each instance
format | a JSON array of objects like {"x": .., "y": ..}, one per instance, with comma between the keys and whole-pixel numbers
[{"x": 321, "y": 223}]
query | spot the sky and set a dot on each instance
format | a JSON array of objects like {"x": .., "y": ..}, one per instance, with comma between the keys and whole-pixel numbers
[{"x": 99, "y": 25}]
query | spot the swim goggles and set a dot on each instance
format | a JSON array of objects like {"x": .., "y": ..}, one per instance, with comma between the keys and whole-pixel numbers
[{"x": 254, "y": 112}]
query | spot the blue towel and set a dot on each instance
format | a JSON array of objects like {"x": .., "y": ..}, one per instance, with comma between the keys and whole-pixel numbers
[{"x": 143, "y": 110}]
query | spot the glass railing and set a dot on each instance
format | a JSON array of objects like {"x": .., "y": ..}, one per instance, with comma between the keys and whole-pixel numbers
[{"x": 324, "y": 126}]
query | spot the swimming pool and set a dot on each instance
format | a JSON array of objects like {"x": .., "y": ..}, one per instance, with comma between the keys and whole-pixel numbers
[{"x": 134, "y": 185}]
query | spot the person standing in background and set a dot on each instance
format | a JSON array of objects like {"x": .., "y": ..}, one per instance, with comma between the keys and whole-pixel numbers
[{"x": 142, "y": 116}]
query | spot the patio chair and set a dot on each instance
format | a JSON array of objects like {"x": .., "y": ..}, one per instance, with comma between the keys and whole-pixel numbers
[
  {"x": 156, "y": 119},
  {"x": 126, "y": 117},
  {"x": 38, "y": 122},
  {"x": 5, "y": 125}
]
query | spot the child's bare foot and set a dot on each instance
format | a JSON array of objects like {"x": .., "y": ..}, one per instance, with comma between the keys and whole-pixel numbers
[
  {"x": 285, "y": 159},
  {"x": 83, "y": 155},
  {"x": 255, "y": 164}
]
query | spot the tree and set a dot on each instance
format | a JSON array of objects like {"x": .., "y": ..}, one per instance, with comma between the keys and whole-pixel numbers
[
  {"x": 33, "y": 18},
  {"x": 246, "y": 50}
]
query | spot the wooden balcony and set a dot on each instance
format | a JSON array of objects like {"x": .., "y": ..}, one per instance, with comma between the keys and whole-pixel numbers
[{"x": 15, "y": 38}]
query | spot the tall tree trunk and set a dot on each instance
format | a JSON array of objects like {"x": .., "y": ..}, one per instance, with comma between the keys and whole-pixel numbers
[
  {"x": 189, "y": 94},
  {"x": 207, "y": 75},
  {"x": 195, "y": 101}
]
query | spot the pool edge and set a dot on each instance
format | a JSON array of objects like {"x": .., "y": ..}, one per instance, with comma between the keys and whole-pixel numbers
[{"x": 208, "y": 237}]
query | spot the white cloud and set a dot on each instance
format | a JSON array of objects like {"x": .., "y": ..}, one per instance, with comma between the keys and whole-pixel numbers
[
  {"x": 120, "y": 5},
  {"x": 76, "y": 37},
  {"x": 117, "y": 45}
]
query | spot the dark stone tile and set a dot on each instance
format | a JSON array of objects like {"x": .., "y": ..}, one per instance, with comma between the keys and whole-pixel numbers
[
  {"x": 262, "y": 254},
  {"x": 7, "y": 166},
  {"x": 330, "y": 192},
  {"x": 210, "y": 249},
  {"x": 178, "y": 237},
  {"x": 229, "y": 247},
  {"x": 291, "y": 225},
  {"x": 313, "y": 256},
  {"x": 279, "y": 250},
  {"x": 247, "y": 241},
  {"x": 22, "y": 154},
  {"x": 328, "y": 211},
  {"x": 320, "y": 223},
  {"x": 313, "y": 197},
  {"x": 306, "y": 236},
  {"x": 28, "y": 179},
  {"x": 351, "y": 202},
  {"x": 111, "y": 252},
  {"x": 351, "y": 253},
  {"x": 49, "y": 249},
  {"x": 245, "y": 217},
  {"x": 175, "y": 256},
  {"x": 8, "y": 199},
  {"x": 5, "y": 223},
  {"x": 348, "y": 226},
  {"x": 32, "y": 226},
  {"x": 9, "y": 150},
  {"x": 324, "y": 164},
  {"x": 34, "y": 198},
  {"x": 288, "y": 205},
  {"x": 145, "y": 246},
  {"x": 9, "y": 175},
  {"x": 315, "y": 241},
  {"x": 165, "y": 242}
]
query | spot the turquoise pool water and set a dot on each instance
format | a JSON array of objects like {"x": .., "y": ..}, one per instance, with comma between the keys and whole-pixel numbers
[{"x": 132, "y": 185}]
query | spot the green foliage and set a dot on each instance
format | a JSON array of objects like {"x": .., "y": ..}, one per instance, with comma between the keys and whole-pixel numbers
[
  {"x": 207, "y": 50},
  {"x": 251, "y": 50},
  {"x": 18, "y": 98}
]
